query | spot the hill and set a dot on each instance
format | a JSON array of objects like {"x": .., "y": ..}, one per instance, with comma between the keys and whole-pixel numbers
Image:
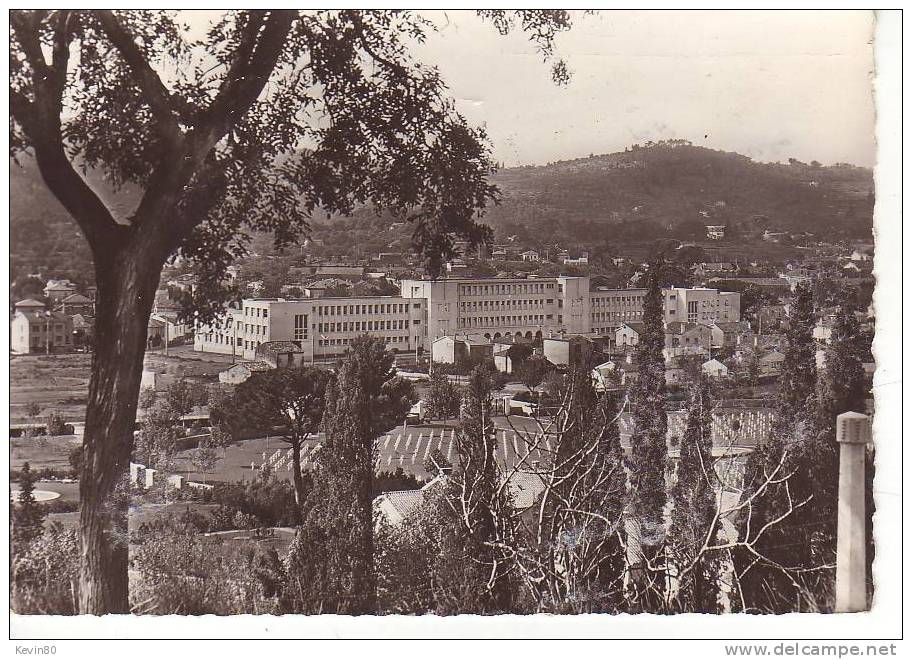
[
  {"x": 675, "y": 189},
  {"x": 667, "y": 189}
]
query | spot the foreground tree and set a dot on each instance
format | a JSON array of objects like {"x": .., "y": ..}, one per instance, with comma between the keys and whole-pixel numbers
[
  {"x": 649, "y": 454},
  {"x": 570, "y": 551},
  {"x": 292, "y": 399},
  {"x": 694, "y": 522},
  {"x": 779, "y": 582},
  {"x": 443, "y": 397},
  {"x": 472, "y": 574},
  {"x": 330, "y": 564},
  {"x": 211, "y": 133}
]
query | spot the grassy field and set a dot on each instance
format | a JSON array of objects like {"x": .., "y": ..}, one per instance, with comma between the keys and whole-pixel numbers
[
  {"x": 42, "y": 452},
  {"x": 60, "y": 383}
]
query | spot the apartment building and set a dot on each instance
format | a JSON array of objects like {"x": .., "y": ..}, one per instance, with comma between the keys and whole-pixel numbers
[
  {"x": 426, "y": 310},
  {"x": 609, "y": 309},
  {"x": 322, "y": 327},
  {"x": 701, "y": 305},
  {"x": 495, "y": 308}
]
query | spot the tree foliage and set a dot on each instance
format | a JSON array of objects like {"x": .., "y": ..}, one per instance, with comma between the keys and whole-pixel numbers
[
  {"x": 26, "y": 516},
  {"x": 649, "y": 449},
  {"x": 331, "y": 561},
  {"x": 473, "y": 571},
  {"x": 292, "y": 399},
  {"x": 694, "y": 523}
]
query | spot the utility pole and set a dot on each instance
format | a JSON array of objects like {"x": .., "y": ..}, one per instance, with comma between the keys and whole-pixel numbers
[
  {"x": 48, "y": 334},
  {"x": 853, "y": 432}
]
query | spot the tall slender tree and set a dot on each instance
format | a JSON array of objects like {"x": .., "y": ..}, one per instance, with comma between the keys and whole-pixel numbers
[
  {"x": 472, "y": 574},
  {"x": 649, "y": 453},
  {"x": 772, "y": 584},
  {"x": 694, "y": 512},
  {"x": 210, "y": 133},
  {"x": 330, "y": 564},
  {"x": 571, "y": 551}
]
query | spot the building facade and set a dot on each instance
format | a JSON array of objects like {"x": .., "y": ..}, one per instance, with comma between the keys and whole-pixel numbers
[
  {"x": 322, "y": 327},
  {"x": 426, "y": 310},
  {"x": 37, "y": 332}
]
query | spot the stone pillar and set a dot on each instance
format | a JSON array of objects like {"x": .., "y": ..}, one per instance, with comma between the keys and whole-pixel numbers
[{"x": 853, "y": 432}]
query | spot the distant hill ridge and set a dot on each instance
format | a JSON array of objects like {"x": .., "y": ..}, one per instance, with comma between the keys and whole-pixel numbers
[{"x": 648, "y": 191}]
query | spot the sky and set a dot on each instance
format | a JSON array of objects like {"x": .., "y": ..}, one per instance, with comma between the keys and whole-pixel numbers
[
  {"x": 771, "y": 85},
  {"x": 768, "y": 84}
]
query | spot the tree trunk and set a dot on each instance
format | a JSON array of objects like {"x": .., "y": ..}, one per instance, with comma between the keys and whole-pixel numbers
[
  {"x": 126, "y": 281},
  {"x": 297, "y": 478}
]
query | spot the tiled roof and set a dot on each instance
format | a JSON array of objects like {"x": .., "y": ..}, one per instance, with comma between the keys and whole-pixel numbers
[
  {"x": 404, "y": 501},
  {"x": 278, "y": 346},
  {"x": 42, "y": 316},
  {"x": 29, "y": 304},
  {"x": 76, "y": 298},
  {"x": 255, "y": 367},
  {"x": 636, "y": 326}
]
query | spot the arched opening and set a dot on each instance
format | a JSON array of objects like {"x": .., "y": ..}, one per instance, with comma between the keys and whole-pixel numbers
[
  {"x": 529, "y": 334},
  {"x": 487, "y": 336},
  {"x": 496, "y": 335},
  {"x": 519, "y": 334},
  {"x": 538, "y": 335}
]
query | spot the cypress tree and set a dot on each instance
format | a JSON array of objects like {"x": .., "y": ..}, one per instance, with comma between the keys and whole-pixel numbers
[
  {"x": 472, "y": 575},
  {"x": 649, "y": 451},
  {"x": 330, "y": 564},
  {"x": 693, "y": 515},
  {"x": 790, "y": 543}
]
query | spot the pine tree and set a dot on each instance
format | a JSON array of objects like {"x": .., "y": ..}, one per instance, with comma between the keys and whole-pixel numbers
[
  {"x": 840, "y": 388},
  {"x": 693, "y": 521},
  {"x": 649, "y": 452},
  {"x": 472, "y": 575},
  {"x": 330, "y": 564},
  {"x": 27, "y": 515}
]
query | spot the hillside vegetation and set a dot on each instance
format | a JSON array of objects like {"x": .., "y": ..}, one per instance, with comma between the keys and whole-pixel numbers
[{"x": 668, "y": 189}]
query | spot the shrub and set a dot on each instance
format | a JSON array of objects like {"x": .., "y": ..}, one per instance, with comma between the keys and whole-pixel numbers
[
  {"x": 57, "y": 425},
  {"x": 261, "y": 503},
  {"x": 180, "y": 572},
  {"x": 44, "y": 574},
  {"x": 60, "y": 506}
]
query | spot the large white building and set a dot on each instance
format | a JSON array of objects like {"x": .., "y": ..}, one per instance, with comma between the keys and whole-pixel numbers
[
  {"x": 321, "y": 327},
  {"x": 427, "y": 310}
]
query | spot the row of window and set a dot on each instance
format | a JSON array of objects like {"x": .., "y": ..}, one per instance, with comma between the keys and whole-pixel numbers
[
  {"x": 515, "y": 305},
  {"x": 348, "y": 341},
  {"x": 346, "y": 309},
  {"x": 505, "y": 321},
  {"x": 615, "y": 301},
  {"x": 607, "y": 316},
  {"x": 365, "y": 325},
  {"x": 504, "y": 289}
]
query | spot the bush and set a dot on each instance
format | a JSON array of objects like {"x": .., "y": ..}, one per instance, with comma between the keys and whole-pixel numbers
[
  {"x": 259, "y": 503},
  {"x": 60, "y": 506},
  {"x": 57, "y": 425},
  {"x": 44, "y": 574},
  {"x": 45, "y": 474},
  {"x": 180, "y": 572}
]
